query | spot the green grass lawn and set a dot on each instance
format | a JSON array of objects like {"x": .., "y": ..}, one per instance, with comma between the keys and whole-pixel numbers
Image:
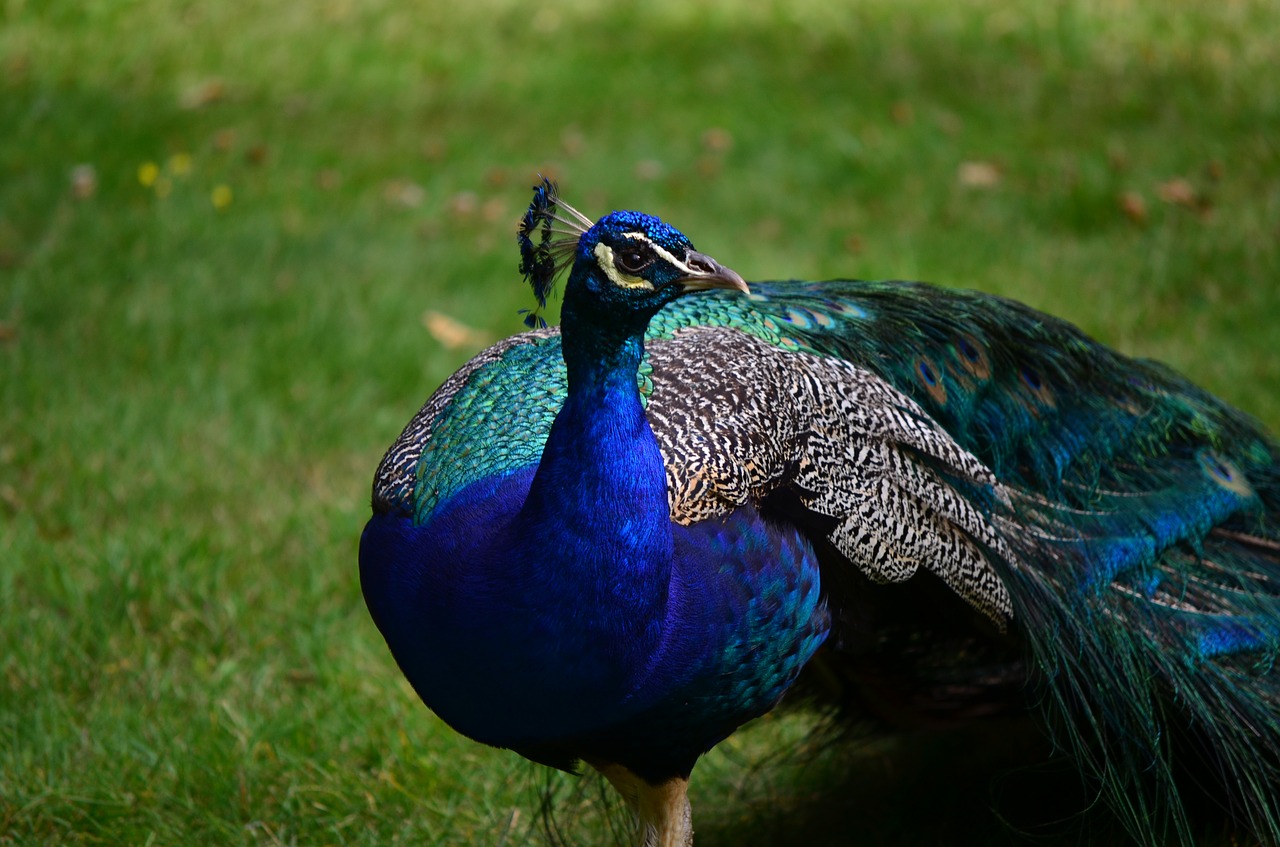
[{"x": 223, "y": 226}]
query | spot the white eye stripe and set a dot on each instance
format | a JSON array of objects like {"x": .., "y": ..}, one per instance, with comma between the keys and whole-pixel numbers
[{"x": 664, "y": 254}]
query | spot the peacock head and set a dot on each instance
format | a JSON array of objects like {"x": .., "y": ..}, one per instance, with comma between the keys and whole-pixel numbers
[{"x": 626, "y": 262}]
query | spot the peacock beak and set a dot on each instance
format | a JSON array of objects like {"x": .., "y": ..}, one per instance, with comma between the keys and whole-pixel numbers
[{"x": 705, "y": 272}]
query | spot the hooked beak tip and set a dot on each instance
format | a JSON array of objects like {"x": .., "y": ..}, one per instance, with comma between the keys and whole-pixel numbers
[{"x": 711, "y": 274}]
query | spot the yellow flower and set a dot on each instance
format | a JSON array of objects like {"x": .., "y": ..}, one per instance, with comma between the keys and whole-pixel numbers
[
  {"x": 180, "y": 164},
  {"x": 221, "y": 197},
  {"x": 148, "y": 172}
]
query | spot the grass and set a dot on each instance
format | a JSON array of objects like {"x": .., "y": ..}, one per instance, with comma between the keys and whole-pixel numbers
[{"x": 198, "y": 374}]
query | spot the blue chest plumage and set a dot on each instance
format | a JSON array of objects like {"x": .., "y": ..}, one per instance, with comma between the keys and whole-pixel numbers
[{"x": 528, "y": 663}]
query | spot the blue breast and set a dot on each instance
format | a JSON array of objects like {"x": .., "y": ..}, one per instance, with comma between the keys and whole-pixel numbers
[{"x": 494, "y": 651}]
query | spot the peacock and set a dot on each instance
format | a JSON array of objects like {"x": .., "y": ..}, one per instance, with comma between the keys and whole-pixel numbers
[{"x": 614, "y": 542}]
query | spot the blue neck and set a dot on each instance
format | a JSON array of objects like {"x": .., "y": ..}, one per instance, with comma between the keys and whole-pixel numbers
[
  {"x": 601, "y": 466},
  {"x": 601, "y": 477},
  {"x": 596, "y": 519},
  {"x": 601, "y": 441}
]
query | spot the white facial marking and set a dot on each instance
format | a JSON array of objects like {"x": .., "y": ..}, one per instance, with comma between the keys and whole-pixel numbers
[{"x": 604, "y": 258}]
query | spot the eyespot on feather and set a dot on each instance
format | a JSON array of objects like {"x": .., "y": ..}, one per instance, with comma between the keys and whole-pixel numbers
[
  {"x": 1224, "y": 472},
  {"x": 931, "y": 378},
  {"x": 973, "y": 356},
  {"x": 1036, "y": 386}
]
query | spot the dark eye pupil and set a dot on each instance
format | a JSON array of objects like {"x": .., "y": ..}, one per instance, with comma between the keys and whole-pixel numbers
[{"x": 632, "y": 260}]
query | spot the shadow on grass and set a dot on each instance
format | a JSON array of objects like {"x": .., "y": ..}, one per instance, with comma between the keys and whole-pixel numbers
[
  {"x": 985, "y": 786},
  {"x": 993, "y": 785}
]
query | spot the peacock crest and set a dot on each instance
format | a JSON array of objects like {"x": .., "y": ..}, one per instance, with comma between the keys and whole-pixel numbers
[{"x": 543, "y": 262}]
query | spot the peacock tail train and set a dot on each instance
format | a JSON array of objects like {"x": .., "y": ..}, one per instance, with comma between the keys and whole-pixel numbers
[{"x": 1105, "y": 535}]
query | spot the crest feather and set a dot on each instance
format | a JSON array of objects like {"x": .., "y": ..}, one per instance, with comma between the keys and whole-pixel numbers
[{"x": 543, "y": 262}]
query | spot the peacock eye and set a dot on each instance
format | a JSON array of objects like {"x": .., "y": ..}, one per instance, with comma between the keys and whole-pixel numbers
[{"x": 633, "y": 261}]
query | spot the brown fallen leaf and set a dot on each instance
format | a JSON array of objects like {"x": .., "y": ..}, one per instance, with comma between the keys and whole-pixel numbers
[
  {"x": 1179, "y": 192},
  {"x": 1133, "y": 206},
  {"x": 452, "y": 333},
  {"x": 978, "y": 175}
]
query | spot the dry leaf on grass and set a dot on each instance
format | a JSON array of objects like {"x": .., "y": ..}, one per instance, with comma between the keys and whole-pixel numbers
[
  {"x": 1133, "y": 206},
  {"x": 451, "y": 333},
  {"x": 1179, "y": 192},
  {"x": 978, "y": 175}
]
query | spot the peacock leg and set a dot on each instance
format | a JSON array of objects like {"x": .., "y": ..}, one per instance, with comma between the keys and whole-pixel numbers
[{"x": 665, "y": 816}]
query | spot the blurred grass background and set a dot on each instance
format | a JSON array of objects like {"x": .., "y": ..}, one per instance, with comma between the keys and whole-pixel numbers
[{"x": 225, "y": 228}]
